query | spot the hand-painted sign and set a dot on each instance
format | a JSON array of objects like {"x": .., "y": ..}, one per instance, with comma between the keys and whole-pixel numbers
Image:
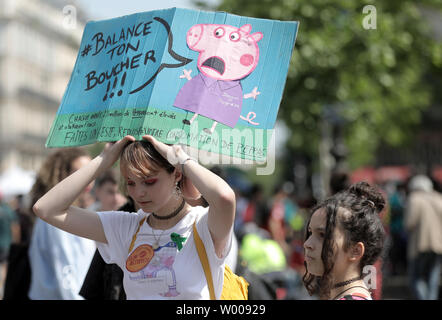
[{"x": 210, "y": 80}]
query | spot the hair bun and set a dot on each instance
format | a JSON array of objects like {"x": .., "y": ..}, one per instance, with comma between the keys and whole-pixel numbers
[{"x": 369, "y": 193}]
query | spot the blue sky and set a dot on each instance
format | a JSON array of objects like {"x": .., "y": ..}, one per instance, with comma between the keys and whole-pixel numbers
[{"x": 106, "y": 9}]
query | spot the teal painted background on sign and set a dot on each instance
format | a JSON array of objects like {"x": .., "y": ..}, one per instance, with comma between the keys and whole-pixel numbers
[
  {"x": 269, "y": 76},
  {"x": 111, "y": 64}
]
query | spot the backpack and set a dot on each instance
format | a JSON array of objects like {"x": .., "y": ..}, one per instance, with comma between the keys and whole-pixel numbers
[{"x": 234, "y": 286}]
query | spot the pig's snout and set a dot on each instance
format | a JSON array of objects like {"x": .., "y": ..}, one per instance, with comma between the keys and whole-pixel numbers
[{"x": 194, "y": 35}]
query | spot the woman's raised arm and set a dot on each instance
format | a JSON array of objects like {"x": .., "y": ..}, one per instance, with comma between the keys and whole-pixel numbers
[
  {"x": 55, "y": 207},
  {"x": 215, "y": 190}
]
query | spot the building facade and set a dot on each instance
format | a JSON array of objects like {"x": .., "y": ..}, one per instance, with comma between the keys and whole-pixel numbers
[{"x": 39, "y": 42}]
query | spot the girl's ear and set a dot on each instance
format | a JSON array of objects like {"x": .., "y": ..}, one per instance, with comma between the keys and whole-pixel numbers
[
  {"x": 178, "y": 175},
  {"x": 357, "y": 251}
]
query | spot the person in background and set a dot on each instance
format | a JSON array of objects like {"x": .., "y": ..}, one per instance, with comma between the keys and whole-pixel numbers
[
  {"x": 283, "y": 210},
  {"x": 251, "y": 213},
  {"x": 107, "y": 193},
  {"x": 105, "y": 281},
  {"x": 396, "y": 192},
  {"x": 17, "y": 281},
  {"x": 59, "y": 260},
  {"x": 423, "y": 221},
  {"x": 339, "y": 181},
  {"x": 25, "y": 218},
  {"x": 241, "y": 205},
  {"x": 343, "y": 236},
  {"x": 9, "y": 233}
]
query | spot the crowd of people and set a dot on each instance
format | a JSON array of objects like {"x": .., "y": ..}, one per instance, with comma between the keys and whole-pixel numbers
[{"x": 80, "y": 236}]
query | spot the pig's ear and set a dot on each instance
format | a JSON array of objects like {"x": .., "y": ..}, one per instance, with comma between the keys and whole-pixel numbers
[
  {"x": 246, "y": 28},
  {"x": 257, "y": 36}
]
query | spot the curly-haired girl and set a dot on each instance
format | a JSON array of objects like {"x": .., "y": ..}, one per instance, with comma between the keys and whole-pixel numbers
[{"x": 343, "y": 235}]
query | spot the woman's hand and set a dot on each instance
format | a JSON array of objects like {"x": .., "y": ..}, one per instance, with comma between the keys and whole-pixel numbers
[
  {"x": 174, "y": 154},
  {"x": 216, "y": 192},
  {"x": 112, "y": 151},
  {"x": 56, "y": 208}
]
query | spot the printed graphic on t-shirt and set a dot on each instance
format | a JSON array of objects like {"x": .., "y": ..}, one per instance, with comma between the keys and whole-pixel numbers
[
  {"x": 139, "y": 258},
  {"x": 158, "y": 274}
]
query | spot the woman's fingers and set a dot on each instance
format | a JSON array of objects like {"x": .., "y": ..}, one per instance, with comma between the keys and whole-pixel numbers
[
  {"x": 149, "y": 138},
  {"x": 166, "y": 151},
  {"x": 127, "y": 139},
  {"x": 157, "y": 144},
  {"x": 120, "y": 143},
  {"x": 112, "y": 150}
]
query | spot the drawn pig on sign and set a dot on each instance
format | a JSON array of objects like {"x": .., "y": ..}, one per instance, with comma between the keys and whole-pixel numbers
[{"x": 226, "y": 55}]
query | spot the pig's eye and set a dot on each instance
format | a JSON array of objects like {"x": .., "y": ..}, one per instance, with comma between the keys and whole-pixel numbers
[
  {"x": 219, "y": 32},
  {"x": 234, "y": 36}
]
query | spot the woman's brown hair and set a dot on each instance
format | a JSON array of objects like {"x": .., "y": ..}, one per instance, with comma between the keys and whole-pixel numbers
[
  {"x": 55, "y": 168},
  {"x": 141, "y": 158}
]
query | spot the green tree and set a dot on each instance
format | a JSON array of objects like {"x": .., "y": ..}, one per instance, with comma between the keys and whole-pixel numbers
[{"x": 375, "y": 81}]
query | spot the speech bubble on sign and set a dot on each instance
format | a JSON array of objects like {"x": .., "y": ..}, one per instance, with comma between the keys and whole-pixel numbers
[
  {"x": 209, "y": 80},
  {"x": 123, "y": 46}
]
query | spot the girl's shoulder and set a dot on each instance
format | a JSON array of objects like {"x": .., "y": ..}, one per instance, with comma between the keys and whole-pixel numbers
[
  {"x": 199, "y": 214},
  {"x": 121, "y": 219},
  {"x": 136, "y": 215},
  {"x": 199, "y": 210},
  {"x": 196, "y": 213}
]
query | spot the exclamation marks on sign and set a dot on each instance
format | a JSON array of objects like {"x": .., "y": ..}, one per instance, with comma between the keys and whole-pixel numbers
[
  {"x": 108, "y": 87},
  {"x": 120, "y": 92},
  {"x": 123, "y": 81}
]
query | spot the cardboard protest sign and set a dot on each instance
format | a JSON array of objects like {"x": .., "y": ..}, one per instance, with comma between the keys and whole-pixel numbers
[{"x": 210, "y": 80}]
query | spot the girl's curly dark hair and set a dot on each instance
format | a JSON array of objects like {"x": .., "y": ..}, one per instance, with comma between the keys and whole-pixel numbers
[{"x": 356, "y": 210}]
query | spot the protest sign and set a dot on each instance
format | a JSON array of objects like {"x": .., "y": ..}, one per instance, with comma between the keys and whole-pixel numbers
[{"x": 209, "y": 80}]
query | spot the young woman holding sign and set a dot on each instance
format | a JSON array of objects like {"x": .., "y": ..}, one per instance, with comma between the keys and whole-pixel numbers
[
  {"x": 154, "y": 247},
  {"x": 344, "y": 235}
]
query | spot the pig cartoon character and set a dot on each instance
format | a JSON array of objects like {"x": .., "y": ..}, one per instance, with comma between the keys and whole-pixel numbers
[{"x": 226, "y": 55}]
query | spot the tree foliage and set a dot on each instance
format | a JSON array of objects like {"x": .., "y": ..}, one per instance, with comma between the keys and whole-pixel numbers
[{"x": 374, "y": 81}]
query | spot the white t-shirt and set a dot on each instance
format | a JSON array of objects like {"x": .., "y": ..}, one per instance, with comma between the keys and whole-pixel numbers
[{"x": 164, "y": 273}]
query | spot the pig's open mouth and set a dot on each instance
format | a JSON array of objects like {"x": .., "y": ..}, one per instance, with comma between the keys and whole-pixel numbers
[{"x": 216, "y": 64}]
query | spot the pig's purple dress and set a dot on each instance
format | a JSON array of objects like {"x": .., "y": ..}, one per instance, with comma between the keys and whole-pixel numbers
[{"x": 215, "y": 99}]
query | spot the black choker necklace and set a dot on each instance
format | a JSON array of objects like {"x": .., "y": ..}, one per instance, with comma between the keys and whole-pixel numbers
[
  {"x": 344, "y": 283},
  {"x": 173, "y": 214}
]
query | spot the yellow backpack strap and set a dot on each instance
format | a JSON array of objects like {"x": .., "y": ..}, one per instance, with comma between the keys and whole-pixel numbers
[
  {"x": 135, "y": 235},
  {"x": 204, "y": 261}
]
